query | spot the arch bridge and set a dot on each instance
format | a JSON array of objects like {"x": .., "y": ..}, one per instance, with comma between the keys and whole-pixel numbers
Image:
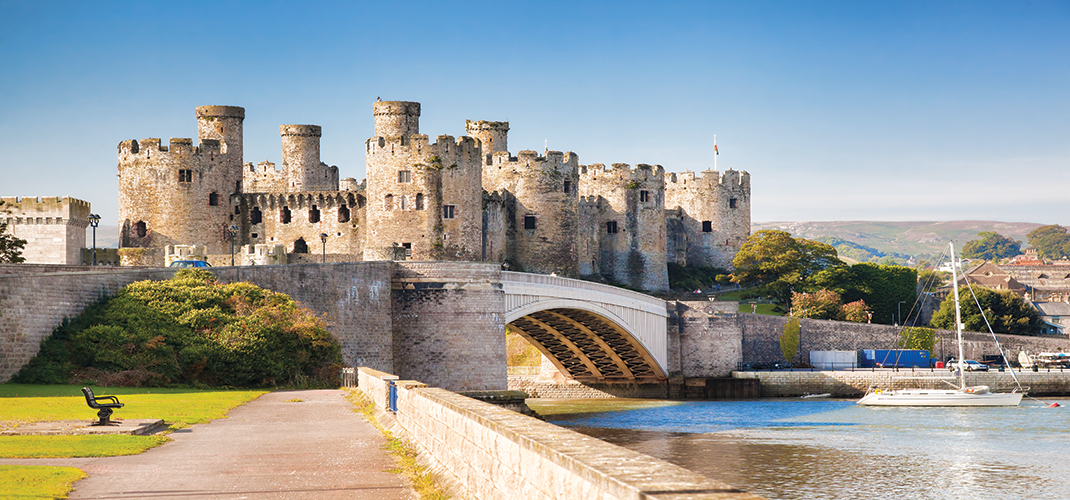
[{"x": 591, "y": 332}]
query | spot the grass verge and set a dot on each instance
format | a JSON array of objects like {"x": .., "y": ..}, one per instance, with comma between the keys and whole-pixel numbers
[
  {"x": 76, "y": 446},
  {"x": 24, "y": 481},
  {"x": 422, "y": 479}
]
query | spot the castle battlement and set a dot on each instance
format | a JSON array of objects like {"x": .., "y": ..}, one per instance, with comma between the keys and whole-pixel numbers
[
  {"x": 527, "y": 159},
  {"x": 707, "y": 179},
  {"x": 152, "y": 148},
  {"x": 623, "y": 172},
  {"x": 445, "y": 146},
  {"x": 53, "y": 208}
]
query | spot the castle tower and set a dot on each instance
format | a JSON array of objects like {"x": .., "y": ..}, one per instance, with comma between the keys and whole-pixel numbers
[
  {"x": 179, "y": 194},
  {"x": 624, "y": 211},
  {"x": 425, "y": 197},
  {"x": 541, "y": 221},
  {"x": 301, "y": 160},
  {"x": 396, "y": 118},
  {"x": 493, "y": 136},
  {"x": 712, "y": 216}
]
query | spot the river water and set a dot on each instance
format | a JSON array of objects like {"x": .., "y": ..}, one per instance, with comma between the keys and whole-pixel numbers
[{"x": 826, "y": 448}]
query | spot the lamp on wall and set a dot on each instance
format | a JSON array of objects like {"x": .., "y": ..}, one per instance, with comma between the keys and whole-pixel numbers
[
  {"x": 233, "y": 230},
  {"x": 323, "y": 238},
  {"x": 94, "y": 221}
]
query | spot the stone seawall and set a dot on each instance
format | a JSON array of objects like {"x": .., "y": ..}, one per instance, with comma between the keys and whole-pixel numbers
[
  {"x": 491, "y": 453},
  {"x": 850, "y": 384}
]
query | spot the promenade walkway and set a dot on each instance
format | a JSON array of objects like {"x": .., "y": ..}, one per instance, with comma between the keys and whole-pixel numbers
[{"x": 272, "y": 447}]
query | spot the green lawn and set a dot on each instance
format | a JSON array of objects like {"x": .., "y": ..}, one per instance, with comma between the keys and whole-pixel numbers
[
  {"x": 76, "y": 446},
  {"x": 22, "y": 481}
]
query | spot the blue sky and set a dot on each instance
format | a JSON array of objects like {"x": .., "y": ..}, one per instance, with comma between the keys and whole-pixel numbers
[{"x": 839, "y": 110}]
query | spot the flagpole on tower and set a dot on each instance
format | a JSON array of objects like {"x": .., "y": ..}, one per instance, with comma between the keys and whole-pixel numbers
[{"x": 715, "y": 152}]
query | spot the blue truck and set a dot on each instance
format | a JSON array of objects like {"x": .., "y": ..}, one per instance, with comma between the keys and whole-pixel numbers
[{"x": 895, "y": 358}]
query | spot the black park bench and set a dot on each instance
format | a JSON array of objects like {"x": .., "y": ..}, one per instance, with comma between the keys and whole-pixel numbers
[{"x": 101, "y": 403}]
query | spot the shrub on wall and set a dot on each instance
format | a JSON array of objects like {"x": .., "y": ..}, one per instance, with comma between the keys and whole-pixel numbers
[
  {"x": 189, "y": 330},
  {"x": 789, "y": 339}
]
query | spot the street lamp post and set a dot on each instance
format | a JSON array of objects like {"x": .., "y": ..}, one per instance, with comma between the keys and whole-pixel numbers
[
  {"x": 323, "y": 239},
  {"x": 899, "y": 308},
  {"x": 94, "y": 221},
  {"x": 233, "y": 233}
]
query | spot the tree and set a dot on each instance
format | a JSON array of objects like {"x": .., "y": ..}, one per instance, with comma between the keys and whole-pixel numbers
[
  {"x": 882, "y": 287},
  {"x": 822, "y": 304},
  {"x": 789, "y": 340},
  {"x": 773, "y": 263},
  {"x": 10, "y": 246},
  {"x": 918, "y": 338},
  {"x": 856, "y": 312},
  {"x": 1051, "y": 242},
  {"x": 991, "y": 246},
  {"x": 1006, "y": 312}
]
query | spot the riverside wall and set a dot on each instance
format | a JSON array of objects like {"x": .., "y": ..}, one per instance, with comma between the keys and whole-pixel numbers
[
  {"x": 486, "y": 452},
  {"x": 849, "y": 384}
]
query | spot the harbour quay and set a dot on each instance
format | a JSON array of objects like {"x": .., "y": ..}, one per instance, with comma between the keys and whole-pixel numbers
[{"x": 854, "y": 383}]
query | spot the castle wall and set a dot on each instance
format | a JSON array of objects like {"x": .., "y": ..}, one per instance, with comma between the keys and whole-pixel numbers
[
  {"x": 53, "y": 227},
  {"x": 339, "y": 214},
  {"x": 631, "y": 223},
  {"x": 544, "y": 188},
  {"x": 264, "y": 177},
  {"x": 712, "y": 216}
]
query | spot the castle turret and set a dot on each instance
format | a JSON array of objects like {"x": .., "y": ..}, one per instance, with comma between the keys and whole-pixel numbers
[
  {"x": 301, "y": 160},
  {"x": 396, "y": 118},
  {"x": 224, "y": 124},
  {"x": 493, "y": 136},
  {"x": 711, "y": 215}
]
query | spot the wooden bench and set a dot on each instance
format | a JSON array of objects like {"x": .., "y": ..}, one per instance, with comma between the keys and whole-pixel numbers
[{"x": 100, "y": 403}]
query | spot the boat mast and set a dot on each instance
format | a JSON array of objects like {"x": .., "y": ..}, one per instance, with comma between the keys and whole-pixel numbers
[{"x": 958, "y": 317}]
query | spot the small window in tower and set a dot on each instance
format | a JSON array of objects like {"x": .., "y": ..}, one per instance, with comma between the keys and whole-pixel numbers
[
  {"x": 140, "y": 229},
  {"x": 213, "y": 199},
  {"x": 419, "y": 201},
  {"x": 644, "y": 196},
  {"x": 404, "y": 176},
  {"x": 448, "y": 211},
  {"x": 185, "y": 175},
  {"x": 237, "y": 186},
  {"x": 568, "y": 187},
  {"x": 284, "y": 215},
  {"x": 403, "y": 202},
  {"x": 343, "y": 213},
  {"x": 611, "y": 227},
  {"x": 237, "y": 210},
  {"x": 408, "y": 249},
  {"x": 300, "y": 246},
  {"x": 732, "y": 203},
  {"x": 707, "y": 226},
  {"x": 256, "y": 216},
  {"x": 529, "y": 222},
  {"x": 314, "y": 214},
  {"x": 254, "y": 236},
  {"x": 388, "y": 202}
]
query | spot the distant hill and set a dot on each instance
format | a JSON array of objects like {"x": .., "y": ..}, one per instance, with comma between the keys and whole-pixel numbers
[
  {"x": 107, "y": 236},
  {"x": 879, "y": 241}
]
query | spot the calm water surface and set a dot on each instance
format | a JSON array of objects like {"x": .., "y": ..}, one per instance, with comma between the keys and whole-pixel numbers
[{"x": 822, "y": 448}]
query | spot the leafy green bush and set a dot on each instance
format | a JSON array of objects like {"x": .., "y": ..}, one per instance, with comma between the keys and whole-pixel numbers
[
  {"x": 189, "y": 330},
  {"x": 689, "y": 278}
]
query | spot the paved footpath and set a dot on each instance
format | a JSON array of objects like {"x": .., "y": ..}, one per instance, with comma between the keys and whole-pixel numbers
[{"x": 268, "y": 448}]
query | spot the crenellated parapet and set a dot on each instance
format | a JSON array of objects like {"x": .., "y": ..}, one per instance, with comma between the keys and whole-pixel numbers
[
  {"x": 53, "y": 227},
  {"x": 711, "y": 218},
  {"x": 493, "y": 136}
]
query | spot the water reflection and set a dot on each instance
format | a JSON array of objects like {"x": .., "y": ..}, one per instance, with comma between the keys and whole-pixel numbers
[{"x": 789, "y": 449}]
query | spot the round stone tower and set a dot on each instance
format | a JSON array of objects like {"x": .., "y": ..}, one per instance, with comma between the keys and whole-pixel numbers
[
  {"x": 301, "y": 159},
  {"x": 493, "y": 136},
  {"x": 396, "y": 118},
  {"x": 224, "y": 124}
]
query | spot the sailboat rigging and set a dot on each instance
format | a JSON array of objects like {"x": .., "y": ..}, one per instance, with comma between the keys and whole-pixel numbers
[{"x": 963, "y": 395}]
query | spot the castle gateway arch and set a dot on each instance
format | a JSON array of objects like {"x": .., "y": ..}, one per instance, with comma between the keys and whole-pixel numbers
[{"x": 591, "y": 332}]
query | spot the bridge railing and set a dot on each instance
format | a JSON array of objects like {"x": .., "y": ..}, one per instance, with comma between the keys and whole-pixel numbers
[{"x": 543, "y": 279}]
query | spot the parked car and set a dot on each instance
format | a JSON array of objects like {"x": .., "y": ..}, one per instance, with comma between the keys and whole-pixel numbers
[
  {"x": 970, "y": 366},
  {"x": 190, "y": 263}
]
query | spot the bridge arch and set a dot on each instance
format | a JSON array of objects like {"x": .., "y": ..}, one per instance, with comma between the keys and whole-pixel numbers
[{"x": 591, "y": 332}]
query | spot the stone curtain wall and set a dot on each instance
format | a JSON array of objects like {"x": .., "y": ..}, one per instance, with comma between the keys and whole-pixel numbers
[
  {"x": 35, "y": 299},
  {"x": 448, "y": 325},
  {"x": 353, "y": 297},
  {"x": 492, "y": 453},
  {"x": 709, "y": 341}
]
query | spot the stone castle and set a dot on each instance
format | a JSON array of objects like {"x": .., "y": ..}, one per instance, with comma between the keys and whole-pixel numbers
[{"x": 464, "y": 198}]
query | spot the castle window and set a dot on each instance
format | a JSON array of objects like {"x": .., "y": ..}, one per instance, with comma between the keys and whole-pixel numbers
[
  {"x": 448, "y": 211},
  {"x": 140, "y": 229},
  {"x": 300, "y": 246},
  {"x": 408, "y": 249},
  {"x": 404, "y": 202},
  {"x": 185, "y": 175},
  {"x": 568, "y": 187},
  {"x": 213, "y": 199},
  {"x": 314, "y": 214},
  {"x": 256, "y": 216},
  {"x": 611, "y": 227},
  {"x": 707, "y": 226},
  {"x": 404, "y": 176},
  {"x": 644, "y": 196},
  {"x": 529, "y": 222},
  {"x": 388, "y": 202},
  {"x": 732, "y": 203},
  {"x": 254, "y": 236},
  {"x": 237, "y": 210},
  {"x": 284, "y": 215},
  {"x": 419, "y": 201},
  {"x": 343, "y": 213},
  {"x": 237, "y": 186}
]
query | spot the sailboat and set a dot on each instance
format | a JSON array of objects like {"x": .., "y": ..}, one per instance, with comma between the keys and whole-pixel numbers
[{"x": 962, "y": 396}]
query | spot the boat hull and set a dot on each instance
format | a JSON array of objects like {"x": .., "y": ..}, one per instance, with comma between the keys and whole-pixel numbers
[{"x": 939, "y": 398}]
